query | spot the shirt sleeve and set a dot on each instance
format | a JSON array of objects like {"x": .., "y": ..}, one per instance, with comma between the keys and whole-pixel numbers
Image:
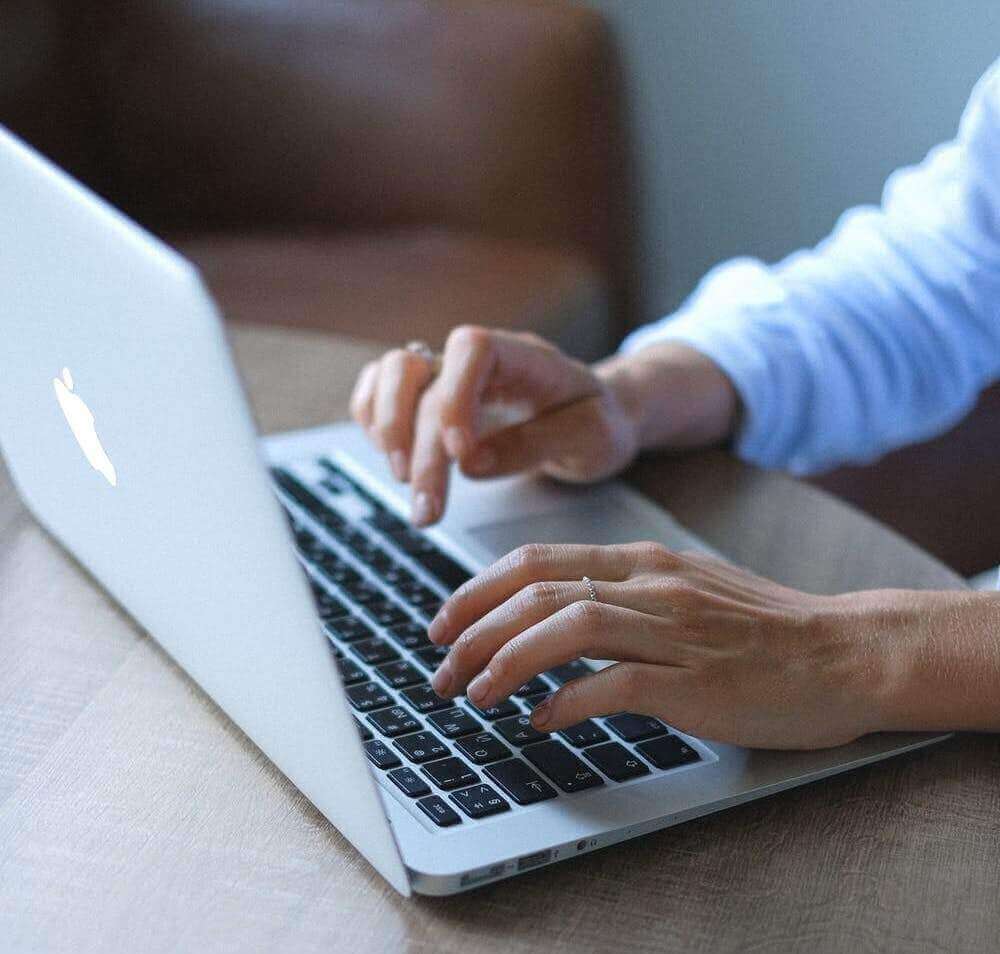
[{"x": 882, "y": 335}]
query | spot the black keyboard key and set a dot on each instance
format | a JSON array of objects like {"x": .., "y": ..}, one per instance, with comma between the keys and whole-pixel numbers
[
  {"x": 584, "y": 733},
  {"x": 570, "y": 671},
  {"x": 387, "y": 522},
  {"x": 364, "y": 731},
  {"x": 381, "y": 755},
  {"x": 368, "y": 696},
  {"x": 349, "y": 629},
  {"x": 615, "y": 761},
  {"x": 532, "y": 701},
  {"x": 397, "y": 576},
  {"x": 439, "y": 811},
  {"x": 410, "y": 635},
  {"x": 337, "y": 652},
  {"x": 364, "y": 593},
  {"x": 452, "y": 723},
  {"x": 668, "y": 751},
  {"x": 533, "y": 687},
  {"x": 501, "y": 710},
  {"x": 306, "y": 499},
  {"x": 443, "y": 568},
  {"x": 350, "y": 672},
  {"x": 386, "y": 613},
  {"x": 520, "y": 782},
  {"x": 432, "y": 656},
  {"x": 394, "y": 721},
  {"x": 335, "y": 570},
  {"x": 411, "y": 783},
  {"x": 374, "y": 651},
  {"x": 418, "y": 595},
  {"x": 518, "y": 730},
  {"x": 424, "y": 699},
  {"x": 430, "y": 610},
  {"x": 421, "y": 747},
  {"x": 328, "y": 606},
  {"x": 633, "y": 727},
  {"x": 399, "y": 675},
  {"x": 450, "y": 773},
  {"x": 483, "y": 748},
  {"x": 562, "y": 766},
  {"x": 479, "y": 801}
]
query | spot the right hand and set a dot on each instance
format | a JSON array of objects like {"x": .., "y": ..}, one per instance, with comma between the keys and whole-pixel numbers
[{"x": 575, "y": 425}]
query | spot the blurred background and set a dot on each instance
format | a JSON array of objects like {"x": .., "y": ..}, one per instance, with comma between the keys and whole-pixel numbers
[{"x": 390, "y": 168}]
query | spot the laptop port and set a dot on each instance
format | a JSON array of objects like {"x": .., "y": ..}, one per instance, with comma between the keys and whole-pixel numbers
[{"x": 533, "y": 861}]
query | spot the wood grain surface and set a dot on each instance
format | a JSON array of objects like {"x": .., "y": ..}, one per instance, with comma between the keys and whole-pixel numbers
[{"x": 134, "y": 816}]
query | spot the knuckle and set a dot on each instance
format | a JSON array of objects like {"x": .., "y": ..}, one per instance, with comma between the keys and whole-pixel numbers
[
  {"x": 649, "y": 553},
  {"x": 631, "y": 683},
  {"x": 680, "y": 594},
  {"x": 504, "y": 660},
  {"x": 540, "y": 593},
  {"x": 468, "y": 336},
  {"x": 529, "y": 557},
  {"x": 585, "y": 614}
]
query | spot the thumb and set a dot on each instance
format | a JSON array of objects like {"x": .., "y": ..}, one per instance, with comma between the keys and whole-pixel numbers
[{"x": 571, "y": 441}]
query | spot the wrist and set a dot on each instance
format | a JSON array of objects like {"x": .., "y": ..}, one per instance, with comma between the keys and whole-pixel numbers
[
  {"x": 674, "y": 396},
  {"x": 931, "y": 659}
]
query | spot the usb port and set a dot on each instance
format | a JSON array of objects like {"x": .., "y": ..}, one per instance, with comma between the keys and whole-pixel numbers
[{"x": 533, "y": 861}]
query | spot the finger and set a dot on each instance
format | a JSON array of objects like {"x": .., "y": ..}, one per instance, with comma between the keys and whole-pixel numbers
[
  {"x": 581, "y": 629},
  {"x": 535, "y": 562},
  {"x": 571, "y": 437},
  {"x": 364, "y": 391},
  {"x": 477, "y": 360},
  {"x": 623, "y": 687},
  {"x": 429, "y": 466},
  {"x": 472, "y": 651},
  {"x": 401, "y": 380}
]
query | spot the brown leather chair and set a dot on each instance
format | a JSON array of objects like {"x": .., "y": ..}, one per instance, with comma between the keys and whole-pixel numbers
[{"x": 387, "y": 168}]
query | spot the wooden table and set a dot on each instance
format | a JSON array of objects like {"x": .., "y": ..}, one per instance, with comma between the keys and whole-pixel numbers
[{"x": 135, "y": 817}]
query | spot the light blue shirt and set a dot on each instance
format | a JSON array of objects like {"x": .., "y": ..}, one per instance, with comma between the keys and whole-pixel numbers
[{"x": 882, "y": 335}]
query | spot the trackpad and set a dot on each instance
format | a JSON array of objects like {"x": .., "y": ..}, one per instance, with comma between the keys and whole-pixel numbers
[{"x": 608, "y": 524}]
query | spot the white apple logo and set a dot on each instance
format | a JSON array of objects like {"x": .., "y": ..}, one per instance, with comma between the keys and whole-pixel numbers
[{"x": 81, "y": 422}]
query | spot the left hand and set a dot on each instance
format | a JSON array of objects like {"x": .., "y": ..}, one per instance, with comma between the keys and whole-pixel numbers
[{"x": 706, "y": 646}]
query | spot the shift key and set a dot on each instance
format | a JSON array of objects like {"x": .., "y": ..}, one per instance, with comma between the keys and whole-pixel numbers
[{"x": 562, "y": 766}]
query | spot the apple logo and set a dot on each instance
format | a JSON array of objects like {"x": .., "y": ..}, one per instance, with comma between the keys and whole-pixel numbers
[{"x": 81, "y": 422}]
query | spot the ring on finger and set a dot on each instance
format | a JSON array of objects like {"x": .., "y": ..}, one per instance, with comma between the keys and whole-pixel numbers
[
  {"x": 423, "y": 350},
  {"x": 591, "y": 589}
]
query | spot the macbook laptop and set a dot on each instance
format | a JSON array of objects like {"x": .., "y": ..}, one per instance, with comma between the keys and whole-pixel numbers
[{"x": 282, "y": 574}]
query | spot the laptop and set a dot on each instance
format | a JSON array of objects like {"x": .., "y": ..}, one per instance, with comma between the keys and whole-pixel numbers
[{"x": 281, "y": 573}]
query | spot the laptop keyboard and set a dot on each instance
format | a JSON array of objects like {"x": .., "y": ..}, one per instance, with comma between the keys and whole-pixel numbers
[{"x": 377, "y": 582}]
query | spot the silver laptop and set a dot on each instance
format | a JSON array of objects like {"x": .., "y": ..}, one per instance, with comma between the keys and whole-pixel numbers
[{"x": 283, "y": 576}]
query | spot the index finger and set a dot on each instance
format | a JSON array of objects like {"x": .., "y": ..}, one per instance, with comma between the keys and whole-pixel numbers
[
  {"x": 476, "y": 360},
  {"x": 533, "y": 563}
]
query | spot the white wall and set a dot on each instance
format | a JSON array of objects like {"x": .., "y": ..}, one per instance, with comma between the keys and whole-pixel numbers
[{"x": 757, "y": 122}]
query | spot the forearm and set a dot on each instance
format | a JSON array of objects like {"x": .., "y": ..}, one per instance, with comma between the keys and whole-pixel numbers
[
  {"x": 674, "y": 395},
  {"x": 938, "y": 655}
]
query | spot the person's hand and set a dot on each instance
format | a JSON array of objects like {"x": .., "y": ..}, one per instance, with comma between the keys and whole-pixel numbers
[
  {"x": 706, "y": 646},
  {"x": 573, "y": 422}
]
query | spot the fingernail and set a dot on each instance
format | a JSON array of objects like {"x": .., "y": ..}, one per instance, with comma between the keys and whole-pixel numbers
[
  {"x": 441, "y": 680},
  {"x": 438, "y": 627},
  {"x": 399, "y": 461},
  {"x": 424, "y": 509},
  {"x": 479, "y": 687},
  {"x": 454, "y": 441},
  {"x": 484, "y": 461},
  {"x": 541, "y": 715}
]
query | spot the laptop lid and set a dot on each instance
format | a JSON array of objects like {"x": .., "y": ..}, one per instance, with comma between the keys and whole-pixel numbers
[{"x": 125, "y": 430}]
